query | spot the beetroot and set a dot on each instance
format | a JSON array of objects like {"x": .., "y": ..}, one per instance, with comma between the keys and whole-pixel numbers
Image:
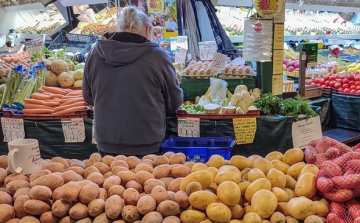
[
  {"x": 290, "y": 63},
  {"x": 297, "y": 64}
]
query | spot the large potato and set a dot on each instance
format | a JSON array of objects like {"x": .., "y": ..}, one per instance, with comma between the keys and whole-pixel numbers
[
  {"x": 142, "y": 176},
  {"x": 264, "y": 203},
  {"x": 309, "y": 168},
  {"x": 263, "y": 164},
  {"x": 255, "y": 186},
  {"x": 14, "y": 185},
  {"x": 144, "y": 167},
  {"x": 191, "y": 216},
  {"x": 293, "y": 156},
  {"x": 131, "y": 196},
  {"x": 40, "y": 193},
  {"x": 78, "y": 211},
  {"x": 255, "y": 174},
  {"x": 306, "y": 185},
  {"x": 202, "y": 176},
  {"x": 96, "y": 207},
  {"x": 36, "y": 207},
  {"x": 241, "y": 162},
  {"x": 276, "y": 155},
  {"x": 29, "y": 219},
  {"x": 70, "y": 175},
  {"x": 130, "y": 213},
  {"x": 229, "y": 193},
  {"x": 60, "y": 208},
  {"x": 322, "y": 209},
  {"x": 48, "y": 217},
  {"x": 146, "y": 204},
  {"x": 199, "y": 166},
  {"x": 111, "y": 181},
  {"x": 218, "y": 212},
  {"x": 151, "y": 183},
  {"x": 152, "y": 217},
  {"x": 168, "y": 208},
  {"x": 51, "y": 181},
  {"x": 252, "y": 217},
  {"x": 114, "y": 206},
  {"x": 174, "y": 185},
  {"x": 180, "y": 171},
  {"x": 162, "y": 171},
  {"x": 102, "y": 218},
  {"x": 227, "y": 173},
  {"x": 96, "y": 177},
  {"x": 6, "y": 213},
  {"x": 171, "y": 219},
  {"x": 300, "y": 208},
  {"x": 279, "y": 165},
  {"x": 5, "y": 198},
  {"x": 88, "y": 193},
  {"x": 280, "y": 194},
  {"x": 276, "y": 178},
  {"x": 126, "y": 176},
  {"x": 70, "y": 191},
  {"x": 202, "y": 199},
  {"x": 19, "y": 206},
  {"x": 295, "y": 169},
  {"x": 160, "y": 194},
  {"x": 116, "y": 189}
]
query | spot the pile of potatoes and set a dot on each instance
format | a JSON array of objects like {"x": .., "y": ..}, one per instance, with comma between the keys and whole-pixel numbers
[{"x": 164, "y": 189}]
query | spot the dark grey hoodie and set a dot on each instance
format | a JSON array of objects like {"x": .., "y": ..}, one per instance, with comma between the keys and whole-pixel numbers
[{"x": 132, "y": 85}]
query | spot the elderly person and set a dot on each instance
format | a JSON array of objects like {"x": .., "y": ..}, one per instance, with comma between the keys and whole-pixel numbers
[{"x": 132, "y": 85}]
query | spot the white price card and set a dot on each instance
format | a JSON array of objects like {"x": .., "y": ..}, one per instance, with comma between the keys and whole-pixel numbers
[
  {"x": 93, "y": 140},
  {"x": 73, "y": 129},
  {"x": 306, "y": 130},
  {"x": 207, "y": 50},
  {"x": 12, "y": 129},
  {"x": 218, "y": 62},
  {"x": 179, "y": 41},
  {"x": 189, "y": 127},
  {"x": 34, "y": 46},
  {"x": 180, "y": 55}
]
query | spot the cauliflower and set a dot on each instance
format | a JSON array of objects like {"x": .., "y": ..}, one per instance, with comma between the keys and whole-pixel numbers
[
  {"x": 78, "y": 83},
  {"x": 234, "y": 101},
  {"x": 78, "y": 75},
  {"x": 66, "y": 79},
  {"x": 255, "y": 93},
  {"x": 243, "y": 106},
  {"x": 240, "y": 88},
  {"x": 51, "y": 79},
  {"x": 245, "y": 94},
  {"x": 59, "y": 66}
]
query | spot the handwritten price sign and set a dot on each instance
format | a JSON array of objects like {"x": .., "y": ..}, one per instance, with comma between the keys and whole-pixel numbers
[
  {"x": 12, "y": 129},
  {"x": 34, "y": 46},
  {"x": 245, "y": 129},
  {"x": 207, "y": 50},
  {"x": 189, "y": 127},
  {"x": 218, "y": 63},
  {"x": 73, "y": 129},
  {"x": 180, "y": 55}
]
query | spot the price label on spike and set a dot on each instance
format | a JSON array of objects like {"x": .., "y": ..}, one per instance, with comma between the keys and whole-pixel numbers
[{"x": 73, "y": 129}]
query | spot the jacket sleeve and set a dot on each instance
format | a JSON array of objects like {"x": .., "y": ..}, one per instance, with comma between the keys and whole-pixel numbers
[
  {"x": 173, "y": 94},
  {"x": 86, "y": 86}
]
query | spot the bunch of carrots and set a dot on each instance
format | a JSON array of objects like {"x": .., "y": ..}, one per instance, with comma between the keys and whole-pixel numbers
[{"x": 55, "y": 101}]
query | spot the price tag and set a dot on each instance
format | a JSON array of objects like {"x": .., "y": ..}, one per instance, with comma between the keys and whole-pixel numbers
[
  {"x": 74, "y": 129},
  {"x": 245, "y": 130},
  {"x": 180, "y": 55},
  {"x": 306, "y": 130},
  {"x": 189, "y": 127},
  {"x": 207, "y": 50},
  {"x": 93, "y": 141},
  {"x": 34, "y": 46},
  {"x": 277, "y": 84},
  {"x": 180, "y": 41},
  {"x": 218, "y": 62},
  {"x": 12, "y": 129}
]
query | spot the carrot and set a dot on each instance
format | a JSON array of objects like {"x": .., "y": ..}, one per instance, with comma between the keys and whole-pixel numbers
[
  {"x": 52, "y": 104},
  {"x": 40, "y": 96},
  {"x": 37, "y": 111},
  {"x": 70, "y": 101},
  {"x": 34, "y": 101},
  {"x": 63, "y": 107},
  {"x": 70, "y": 110},
  {"x": 35, "y": 106},
  {"x": 54, "y": 90},
  {"x": 47, "y": 93},
  {"x": 40, "y": 90},
  {"x": 72, "y": 97},
  {"x": 56, "y": 96},
  {"x": 74, "y": 93}
]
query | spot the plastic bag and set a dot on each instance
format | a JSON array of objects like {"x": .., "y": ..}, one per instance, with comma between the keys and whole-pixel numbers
[
  {"x": 218, "y": 90},
  {"x": 11, "y": 85},
  {"x": 25, "y": 89},
  {"x": 40, "y": 76},
  {"x": 348, "y": 212}
]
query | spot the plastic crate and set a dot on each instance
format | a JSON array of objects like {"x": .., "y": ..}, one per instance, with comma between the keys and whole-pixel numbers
[
  {"x": 74, "y": 43},
  {"x": 39, "y": 117},
  {"x": 200, "y": 149}
]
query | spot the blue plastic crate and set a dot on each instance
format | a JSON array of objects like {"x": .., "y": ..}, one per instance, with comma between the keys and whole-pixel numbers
[{"x": 200, "y": 149}]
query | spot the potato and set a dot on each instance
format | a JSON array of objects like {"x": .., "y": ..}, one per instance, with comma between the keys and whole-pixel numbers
[
  {"x": 166, "y": 181},
  {"x": 14, "y": 220},
  {"x": 38, "y": 174},
  {"x": 51, "y": 181},
  {"x": 168, "y": 154},
  {"x": 171, "y": 219},
  {"x": 161, "y": 171},
  {"x": 240, "y": 162},
  {"x": 237, "y": 211},
  {"x": 111, "y": 181},
  {"x": 36, "y": 207},
  {"x": 255, "y": 186},
  {"x": 3, "y": 174},
  {"x": 168, "y": 208},
  {"x": 171, "y": 195},
  {"x": 94, "y": 158},
  {"x": 78, "y": 211},
  {"x": 174, "y": 185},
  {"x": 103, "y": 168},
  {"x": 322, "y": 209},
  {"x": 282, "y": 208},
  {"x": 160, "y": 194},
  {"x": 263, "y": 164},
  {"x": 279, "y": 165},
  {"x": 306, "y": 185},
  {"x": 84, "y": 220},
  {"x": 218, "y": 212},
  {"x": 70, "y": 192},
  {"x": 182, "y": 199},
  {"x": 293, "y": 156},
  {"x": 276, "y": 178},
  {"x": 5, "y": 198},
  {"x": 77, "y": 169},
  {"x": 229, "y": 193},
  {"x": 133, "y": 184},
  {"x": 280, "y": 194},
  {"x": 264, "y": 203},
  {"x": 116, "y": 189},
  {"x": 189, "y": 164},
  {"x": 252, "y": 217},
  {"x": 19, "y": 206},
  {"x": 309, "y": 168},
  {"x": 159, "y": 160},
  {"x": 144, "y": 167},
  {"x": 290, "y": 193},
  {"x": 191, "y": 216},
  {"x": 120, "y": 163},
  {"x": 290, "y": 182},
  {"x": 54, "y": 167},
  {"x": 152, "y": 217},
  {"x": 274, "y": 156},
  {"x": 202, "y": 199},
  {"x": 60, "y": 208},
  {"x": 178, "y": 158},
  {"x": 70, "y": 175},
  {"x": 21, "y": 191},
  {"x": 126, "y": 176},
  {"x": 102, "y": 194},
  {"x": 198, "y": 167},
  {"x": 228, "y": 173},
  {"x": 14, "y": 185},
  {"x": 131, "y": 196},
  {"x": 193, "y": 187},
  {"x": 255, "y": 174},
  {"x": 243, "y": 186},
  {"x": 67, "y": 219},
  {"x": 132, "y": 161},
  {"x": 120, "y": 157},
  {"x": 29, "y": 219},
  {"x": 202, "y": 176},
  {"x": 151, "y": 183},
  {"x": 142, "y": 176},
  {"x": 300, "y": 208},
  {"x": 116, "y": 169},
  {"x": 114, "y": 206},
  {"x": 107, "y": 160},
  {"x": 89, "y": 193},
  {"x": 291, "y": 220},
  {"x": 48, "y": 217},
  {"x": 40, "y": 193},
  {"x": 313, "y": 219},
  {"x": 180, "y": 171},
  {"x": 277, "y": 217},
  {"x": 97, "y": 178},
  {"x": 102, "y": 218},
  {"x": 6, "y": 213},
  {"x": 96, "y": 207},
  {"x": 90, "y": 169},
  {"x": 3, "y": 162},
  {"x": 130, "y": 213},
  {"x": 13, "y": 177},
  {"x": 146, "y": 204}
]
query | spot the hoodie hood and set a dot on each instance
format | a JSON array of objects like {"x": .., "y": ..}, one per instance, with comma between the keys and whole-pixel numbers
[{"x": 120, "y": 49}]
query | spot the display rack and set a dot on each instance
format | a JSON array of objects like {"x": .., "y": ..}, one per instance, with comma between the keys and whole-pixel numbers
[{"x": 68, "y": 3}]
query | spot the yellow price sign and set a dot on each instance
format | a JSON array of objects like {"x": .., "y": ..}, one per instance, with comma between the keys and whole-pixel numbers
[{"x": 245, "y": 130}]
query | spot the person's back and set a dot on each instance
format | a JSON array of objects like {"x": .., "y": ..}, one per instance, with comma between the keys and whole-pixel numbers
[{"x": 132, "y": 84}]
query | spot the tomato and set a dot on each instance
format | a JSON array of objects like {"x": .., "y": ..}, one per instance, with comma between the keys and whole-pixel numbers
[
  {"x": 327, "y": 77},
  {"x": 357, "y": 88},
  {"x": 332, "y": 78},
  {"x": 357, "y": 83},
  {"x": 313, "y": 84},
  {"x": 351, "y": 77},
  {"x": 353, "y": 92},
  {"x": 332, "y": 83},
  {"x": 345, "y": 80},
  {"x": 346, "y": 90},
  {"x": 357, "y": 78},
  {"x": 323, "y": 86},
  {"x": 341, "y": 89},
  {"x": 358, "y": 92},
  {"x": 339, "y": 80},
  {"x": 327, "y": 83},
  {"x": 316, "y": 80},
  {"x": 351, "y": 83},
  {"x": 352, "y": 87},
  {"x": 345, "y": 86},
  {"x": 337, "y": 85}
]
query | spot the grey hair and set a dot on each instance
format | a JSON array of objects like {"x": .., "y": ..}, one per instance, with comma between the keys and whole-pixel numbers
[{"x": 133, "y": 20}]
